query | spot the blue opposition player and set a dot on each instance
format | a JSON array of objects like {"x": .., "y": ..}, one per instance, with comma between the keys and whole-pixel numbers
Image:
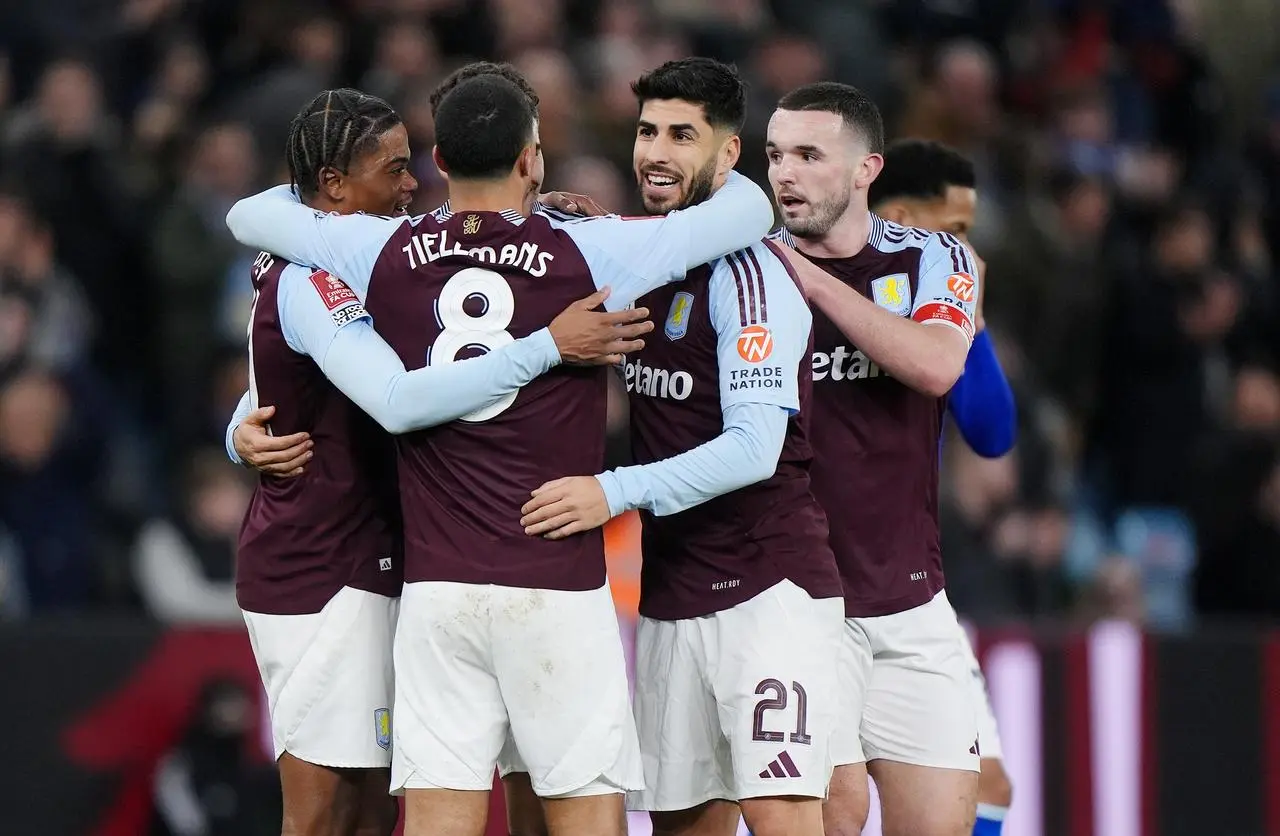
[{"x": 928, "y": 185}]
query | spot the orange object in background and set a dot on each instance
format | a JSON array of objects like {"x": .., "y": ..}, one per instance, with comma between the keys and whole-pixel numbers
[{"x": 622, "y": 555}]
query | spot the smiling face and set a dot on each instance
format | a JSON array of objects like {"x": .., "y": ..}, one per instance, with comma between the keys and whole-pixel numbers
[
  {"x": 816, "y": 167},
  {"x": 679, "y": 158},
  {"x": 378, "y": 182}
]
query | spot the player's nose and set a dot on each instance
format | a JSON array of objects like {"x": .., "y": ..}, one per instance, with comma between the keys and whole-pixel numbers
[
  {"x": 657, "y": 151},
  {"x": 784, "y": 172}
]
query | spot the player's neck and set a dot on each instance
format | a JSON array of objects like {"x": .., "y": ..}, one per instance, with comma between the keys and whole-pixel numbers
[
  {"x": 844, "y": 240},
  {"x": 488, "y": 196},
  {"x": 324, "y": 204}
]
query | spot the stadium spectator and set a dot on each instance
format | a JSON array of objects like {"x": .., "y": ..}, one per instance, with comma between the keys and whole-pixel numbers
[
  {"x": 113, "y": 119},
  {"x": 184, "y": 564}
]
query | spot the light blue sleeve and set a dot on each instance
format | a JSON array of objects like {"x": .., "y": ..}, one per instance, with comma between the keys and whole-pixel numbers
[
  {"x": 636, "y": 255},
  {"x": 745, "y": 453},
  {"x": 359, "y": 362},
  {"x": 237, "y": 418},
  {"x": 762, "y": 327},
  {"x": 947, "y": 293},
  {"x": 275, "y": 221}
]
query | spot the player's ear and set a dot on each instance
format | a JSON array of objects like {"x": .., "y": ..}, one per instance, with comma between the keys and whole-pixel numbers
[
  {"x": 527, "y": 161},
  {"x": 730, "y": 151},
  {"x": 868, "y": 171},
  {"x": 331, "y": 183},
  {"x": 439, "y": 161}
]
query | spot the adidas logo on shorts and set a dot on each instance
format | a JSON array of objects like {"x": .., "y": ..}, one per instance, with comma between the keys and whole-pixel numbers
[{"x": 781, "y": 767}]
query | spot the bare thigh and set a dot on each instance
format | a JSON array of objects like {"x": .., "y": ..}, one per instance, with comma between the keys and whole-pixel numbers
[
  {"x": 524, "y": 808},
  {"x": 319, "y": 800},
  {"x": 712, "y": 818},
  {"x": 792, "y": 815},
  {"x": 588, "y": 815},
  {"x": 437, "y": 812},
  {"x": 379, "y": 812},
  {"x": 848, "y": 802},
  {"x": 994, "y": 786},
  {"x": 924, "y": 800}
]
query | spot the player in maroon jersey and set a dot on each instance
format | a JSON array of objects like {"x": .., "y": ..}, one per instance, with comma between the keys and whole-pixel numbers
[
  {"x": 248, "y": 439},
  {"x": 499, "y": 632},
  {"x": 740, "y": 610},
  {"x": 298, "y": 569},
  {"x": 319, "y": 566},
  {"x": 893, "y": 321}
]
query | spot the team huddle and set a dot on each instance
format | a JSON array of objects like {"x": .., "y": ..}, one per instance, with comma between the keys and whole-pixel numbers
[{"x": 422, "y": 567}]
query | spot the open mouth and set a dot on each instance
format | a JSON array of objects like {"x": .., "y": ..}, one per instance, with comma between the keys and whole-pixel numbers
[
  {"x": 789, "y": 201},
  {"x": 660, "y": 183}
]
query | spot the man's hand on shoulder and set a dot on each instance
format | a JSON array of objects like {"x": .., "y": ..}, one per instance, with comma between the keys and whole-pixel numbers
[
  {"x": 283, "y": 456},
  {"x": 812, "y": 278},
  {"x": 574, "y": 204},
  {"x": 586, "y": 336}
]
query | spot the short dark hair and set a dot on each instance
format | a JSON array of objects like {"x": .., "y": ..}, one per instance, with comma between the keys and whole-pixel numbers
[
  {"x": 701, "y": 81},
  {"x": 479, "y": 68},
  {"x": 921, "y": 169},
  {"x": 482, "y": 125},
  {"x": 852, "y": 105},
  {"x": 335, "y": 128}
]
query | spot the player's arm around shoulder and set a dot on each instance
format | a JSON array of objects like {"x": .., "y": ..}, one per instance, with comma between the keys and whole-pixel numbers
[
  {"x": 762, "y": 327},
  {"x": 947, "y": 296},
  {"x": 635, "y": 255},
  {"x": 276, "y": 221},
  {"x": 322, "y": 318},
  {"x": 912, "y": 348}
]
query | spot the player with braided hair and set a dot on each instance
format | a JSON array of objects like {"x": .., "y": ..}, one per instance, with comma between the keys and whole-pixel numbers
[
  {"x": 340, "y": 127},
  {"x": 319, "y": 565}
]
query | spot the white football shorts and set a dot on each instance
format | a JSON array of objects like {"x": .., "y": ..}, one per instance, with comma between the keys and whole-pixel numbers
[
  {"x": 533, "y": 679},
  {"x": 740, "y": 703},
  {"x": 988, "y": 734},
  {"x": 907, "y": 690},
  {"x": 329, "y": 680}
]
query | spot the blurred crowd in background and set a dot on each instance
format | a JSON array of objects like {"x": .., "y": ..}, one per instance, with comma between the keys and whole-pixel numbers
[{"x": 1129, "y": 176}]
